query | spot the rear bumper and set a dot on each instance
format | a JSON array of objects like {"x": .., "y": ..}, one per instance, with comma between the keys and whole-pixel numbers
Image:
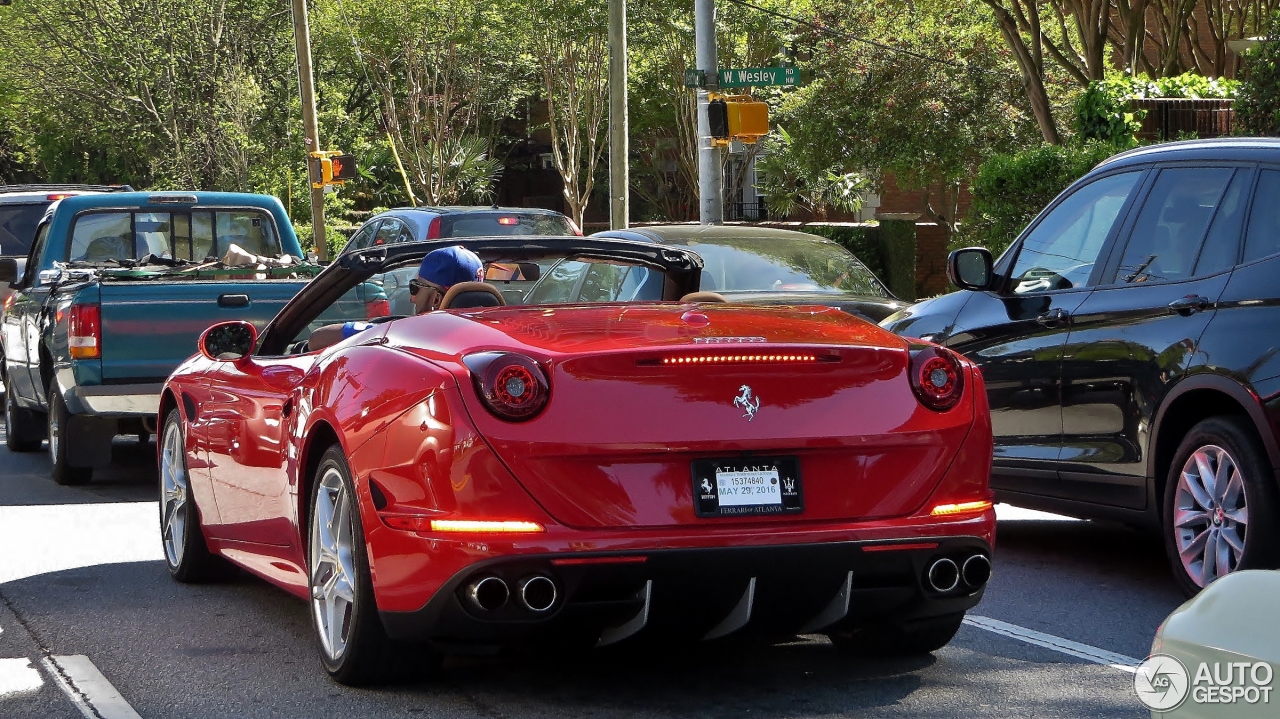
[
  {"x": 701, "y": 592},
  {"x": 120, "y": 400}
]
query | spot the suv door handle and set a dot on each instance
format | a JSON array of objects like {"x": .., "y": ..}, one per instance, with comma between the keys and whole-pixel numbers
[
  {"x": 230, "y": 300},
  {"x": 1052, "y": 318},
  {"x": 1189, "y": 305}
]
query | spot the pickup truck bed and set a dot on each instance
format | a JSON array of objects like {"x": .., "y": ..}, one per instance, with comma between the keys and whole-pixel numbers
[
  {"x": 116, "y": 292},
  {"x": 140, "y": 349}
]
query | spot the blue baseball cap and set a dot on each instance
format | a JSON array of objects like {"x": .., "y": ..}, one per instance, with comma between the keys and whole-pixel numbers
[{"x": 448, "y": 266}]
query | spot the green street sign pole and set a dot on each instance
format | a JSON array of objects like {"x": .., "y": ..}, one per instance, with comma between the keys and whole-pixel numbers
[{"x": 760, "y": 76}]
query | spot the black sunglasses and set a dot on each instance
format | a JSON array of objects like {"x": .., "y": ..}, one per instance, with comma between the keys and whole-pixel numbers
[{"x": 416, "y": 284}]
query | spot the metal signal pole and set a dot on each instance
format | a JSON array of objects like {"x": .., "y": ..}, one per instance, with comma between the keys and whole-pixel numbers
[
  {"x": 306, "y": 84},
  {"x": 710, "y": 193},
  {"x": 619, "y": 147}
]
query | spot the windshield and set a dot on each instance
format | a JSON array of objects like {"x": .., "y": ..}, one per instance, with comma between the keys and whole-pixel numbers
[
  {"x": 18, "y": 227},
  {"x": 782, "y": 264},
  {"x": 501, "y": 224}
]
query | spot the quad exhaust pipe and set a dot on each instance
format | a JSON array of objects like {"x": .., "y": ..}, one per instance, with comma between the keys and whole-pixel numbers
[
  {"x": 944, "y": 575},
  {"x": 976, "y": 570},
  {"x": 488, "y": 593},
  {"x": 537, "y": 593}
]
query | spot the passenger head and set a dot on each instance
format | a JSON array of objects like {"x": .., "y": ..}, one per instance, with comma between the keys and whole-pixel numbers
[{"x": 440, "y": 270}]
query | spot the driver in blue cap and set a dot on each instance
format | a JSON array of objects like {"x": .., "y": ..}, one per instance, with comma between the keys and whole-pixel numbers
[{"x": 440, "y": 270}]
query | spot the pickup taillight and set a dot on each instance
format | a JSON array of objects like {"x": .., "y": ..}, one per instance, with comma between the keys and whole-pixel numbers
[{"x": 84, "y": 331}]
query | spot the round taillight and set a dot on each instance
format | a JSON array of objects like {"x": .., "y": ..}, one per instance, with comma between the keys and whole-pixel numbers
[
  {"x": 937, "y": 378},
  {"x": 513, "y": 387}
]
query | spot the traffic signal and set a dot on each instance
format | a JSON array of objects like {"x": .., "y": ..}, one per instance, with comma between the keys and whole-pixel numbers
[
  {"x": 748, "y": 120},
  {"x": 718, "y": 114},
  {"x": 737, "y": 117},
  {"x": 331, "y": 167}
]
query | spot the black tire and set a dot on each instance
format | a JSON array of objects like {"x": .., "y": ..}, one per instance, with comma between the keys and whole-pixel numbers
[
  {"x": 1238, "y": 438},
  {"x": 24, "y": 429},
  {"x": 185, "y": 553},
  {"x": 58, "y": 417},
  {"x": 901, "y": 640},
  {"x": 369, "y": 656}
]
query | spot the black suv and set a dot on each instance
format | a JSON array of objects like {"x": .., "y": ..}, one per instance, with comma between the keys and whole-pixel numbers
[{"x": 1130, "y": 340}]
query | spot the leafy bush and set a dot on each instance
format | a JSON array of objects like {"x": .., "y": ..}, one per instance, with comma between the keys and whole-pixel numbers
[
  {"x": 1258, "y": 106},
  {"x": 789, "y": 186},
  {"x": 1102, "y": 111},
  {"x": 1010, "y": 190}
]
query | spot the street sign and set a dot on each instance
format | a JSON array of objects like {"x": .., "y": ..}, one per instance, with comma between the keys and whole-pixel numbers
[
  {"x": 744, "y": 77},
  {"x": 692, "y": 78}
]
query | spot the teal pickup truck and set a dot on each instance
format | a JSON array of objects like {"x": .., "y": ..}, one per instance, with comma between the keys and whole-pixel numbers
[{"x": 115, "y": 294}]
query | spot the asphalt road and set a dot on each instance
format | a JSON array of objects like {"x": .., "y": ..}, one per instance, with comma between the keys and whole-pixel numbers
[{"x": 81, "y": 576}]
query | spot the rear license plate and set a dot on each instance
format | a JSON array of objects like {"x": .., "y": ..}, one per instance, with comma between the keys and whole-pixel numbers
[{"x": 746, "y": 485}]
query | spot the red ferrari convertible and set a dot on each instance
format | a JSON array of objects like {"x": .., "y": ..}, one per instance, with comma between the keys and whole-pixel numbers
[{"x": 650, "y": 465}]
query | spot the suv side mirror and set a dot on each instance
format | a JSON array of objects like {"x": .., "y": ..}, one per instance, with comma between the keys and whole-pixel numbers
[
  {"x": 229, "y": 341},
  {"x": 970, "y": 268},
  {"x": 8, "y": 270}
]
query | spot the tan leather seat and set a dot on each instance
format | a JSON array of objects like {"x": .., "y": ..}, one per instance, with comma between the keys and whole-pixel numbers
[
  {"x": 703, "y": 296},
  {"x": 472, "y": 294}
]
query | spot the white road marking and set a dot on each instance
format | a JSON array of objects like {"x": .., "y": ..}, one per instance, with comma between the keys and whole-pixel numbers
[
  {"x": 1057, "y": 644},
  {"x": 51, "y": 538},
  {"x": 1008, "y": 513},
  {"x": 85, "y": 686},
  {"x": 17, "y": 676}
]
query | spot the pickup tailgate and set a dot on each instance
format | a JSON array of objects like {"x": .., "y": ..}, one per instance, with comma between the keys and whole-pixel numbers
[{"x": 150, "y": 327}]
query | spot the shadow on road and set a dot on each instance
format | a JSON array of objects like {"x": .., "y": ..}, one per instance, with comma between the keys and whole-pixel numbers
[
  {"x": 245, "y": 649},
  {"x": 132, "y": 477},
  {"x": 1109, "y": 584}
]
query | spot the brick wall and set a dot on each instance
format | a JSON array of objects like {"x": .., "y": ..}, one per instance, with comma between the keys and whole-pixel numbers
[{"x": 894, "y": 199}]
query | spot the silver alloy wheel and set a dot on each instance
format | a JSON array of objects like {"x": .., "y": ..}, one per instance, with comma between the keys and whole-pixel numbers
[
  {"x": 1210, "y": 514},
  {"x": 332, "y": 571},
  {"x": 174, "y": 489}
]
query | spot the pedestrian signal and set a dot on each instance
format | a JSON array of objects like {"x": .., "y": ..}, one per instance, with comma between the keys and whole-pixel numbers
[{"x": 331, "y": 167}]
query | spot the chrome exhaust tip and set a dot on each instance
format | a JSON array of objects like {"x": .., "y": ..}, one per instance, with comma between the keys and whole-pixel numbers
[
  {"x": 976, "y": 570},
  {"x": 487, "y": 593},
  {"x": 537, "y": 593},
  {"x": 943, "y": 575}
]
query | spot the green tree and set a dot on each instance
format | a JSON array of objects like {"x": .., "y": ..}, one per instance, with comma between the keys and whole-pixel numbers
[
  {"x": 929, "y": 117},
  {"x": 155, "y": 92},
  {"x": 438, "y": 74},
  {"x": 1258, "y": 104},
  {"x": 573, "y": 63}
]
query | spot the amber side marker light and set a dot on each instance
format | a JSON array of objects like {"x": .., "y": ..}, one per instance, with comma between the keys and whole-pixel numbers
[
  {"x": 960, "y": 508},
  {"x": 472, "y": 525}
]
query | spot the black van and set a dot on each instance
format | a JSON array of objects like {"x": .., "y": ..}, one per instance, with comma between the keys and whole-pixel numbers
[{"x": 1130, "y": 341}]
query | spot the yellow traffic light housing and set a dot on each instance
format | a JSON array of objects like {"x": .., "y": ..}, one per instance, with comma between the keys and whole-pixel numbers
[
  {"x": 331, "y": 167},
  {"x": 737, "y": 117}
]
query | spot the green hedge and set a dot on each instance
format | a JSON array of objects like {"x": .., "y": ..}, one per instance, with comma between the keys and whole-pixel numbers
[
  {"x": 1010, "y": 190},
  {"x": 1102, "y": 111}
]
